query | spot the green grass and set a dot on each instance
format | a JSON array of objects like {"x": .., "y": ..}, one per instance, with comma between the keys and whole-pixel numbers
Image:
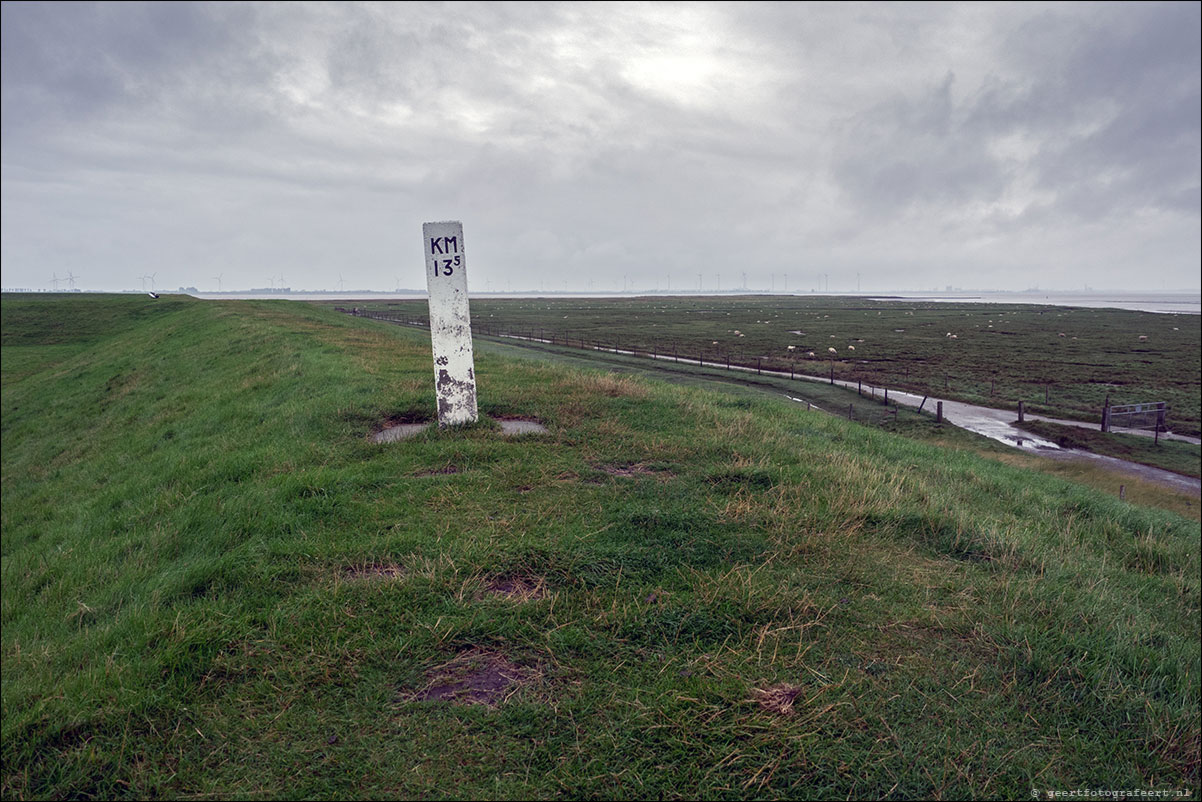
[
  {"x": 741, "y": 599},
  {"x": 867, "y": 407},
  {"x": 1171, "y": 455},
  {"x": 1063, "y": 362}
]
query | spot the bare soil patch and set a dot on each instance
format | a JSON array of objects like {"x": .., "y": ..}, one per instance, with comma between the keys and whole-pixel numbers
[
  {"x": 516, "y": 588},
  {"x": 475, "y": 677}
]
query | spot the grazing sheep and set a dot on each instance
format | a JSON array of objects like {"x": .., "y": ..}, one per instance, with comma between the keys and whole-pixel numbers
[
  {"x": 832, "y": 350},
  {"x": 1143, "y": 338},
  {"x": 1062, "y": 334},
  {"x": 792, "y": 347},
  {"x": 851, "y": 348}
]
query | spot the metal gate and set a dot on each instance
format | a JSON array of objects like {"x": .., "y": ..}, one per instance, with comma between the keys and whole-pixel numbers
[{"x": 1150, "y": 416}]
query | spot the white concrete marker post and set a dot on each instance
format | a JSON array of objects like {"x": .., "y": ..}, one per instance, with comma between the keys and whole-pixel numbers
[{"x": 450, "y": 324}]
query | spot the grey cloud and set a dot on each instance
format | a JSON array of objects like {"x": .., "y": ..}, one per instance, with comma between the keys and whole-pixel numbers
[
  {"x": 288, "y": 134},
  {"x": 1110, "y": 110}
]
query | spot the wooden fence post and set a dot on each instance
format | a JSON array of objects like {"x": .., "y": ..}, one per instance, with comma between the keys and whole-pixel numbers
[{"x": 938, "y": 412}]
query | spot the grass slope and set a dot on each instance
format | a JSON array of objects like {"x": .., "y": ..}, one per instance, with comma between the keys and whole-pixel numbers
[{"x": 214, "y": 585}]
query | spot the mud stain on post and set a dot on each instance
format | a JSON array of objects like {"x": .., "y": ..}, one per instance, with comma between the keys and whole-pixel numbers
[{"x": 456, "y": 398}]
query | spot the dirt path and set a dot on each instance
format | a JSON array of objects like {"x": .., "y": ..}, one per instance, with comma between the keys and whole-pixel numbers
[{"x": 1173, "y": 481}]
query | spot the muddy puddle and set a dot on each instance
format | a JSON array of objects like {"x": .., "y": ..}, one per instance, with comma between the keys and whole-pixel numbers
[
  {"x": 517, "y": 427},
  {"x": 402, "y": 431}
]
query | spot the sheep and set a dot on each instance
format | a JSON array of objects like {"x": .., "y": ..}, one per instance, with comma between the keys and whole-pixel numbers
[
  {"x": 851, "y": 348},
  {"x": 832, "y": 350},
  {"x": 792, "y": 347},
  {"x": 1143, "y": 338}
]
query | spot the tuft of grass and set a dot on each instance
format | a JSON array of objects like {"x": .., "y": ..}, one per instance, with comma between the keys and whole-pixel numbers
[{"x": 214, "y": 584}]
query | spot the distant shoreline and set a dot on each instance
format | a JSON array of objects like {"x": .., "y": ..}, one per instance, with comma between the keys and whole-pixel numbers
[
  {"x": 1184, "y": 303},
  {"x": 1162, "y": 303}
]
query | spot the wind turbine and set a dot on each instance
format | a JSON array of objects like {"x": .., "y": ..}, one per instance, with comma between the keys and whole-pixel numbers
[
  {"x": 151, "y": 277},
  {"x": 55, "y": 280},
  {"x": 143, "y": 277},
  {"x": 281, "y": 282},
  {"x": 71, "y": 279},
  {"x": 398, "y": 283},
  {"x": 218, "y": 277},
  {"x": 341, "y": 283}
]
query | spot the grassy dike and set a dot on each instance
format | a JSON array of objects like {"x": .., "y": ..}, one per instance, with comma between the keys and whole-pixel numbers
[{"x": 215, "y": 586}]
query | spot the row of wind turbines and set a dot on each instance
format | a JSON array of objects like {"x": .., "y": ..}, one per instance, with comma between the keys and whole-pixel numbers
[{"x": 70, "y": 280}]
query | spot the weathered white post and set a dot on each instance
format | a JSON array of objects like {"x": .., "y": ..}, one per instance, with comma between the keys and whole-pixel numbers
[{"x": 450, "y": 323}]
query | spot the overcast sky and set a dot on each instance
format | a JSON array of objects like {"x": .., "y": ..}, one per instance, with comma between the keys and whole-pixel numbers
[{"x": 900, "y": 146}]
